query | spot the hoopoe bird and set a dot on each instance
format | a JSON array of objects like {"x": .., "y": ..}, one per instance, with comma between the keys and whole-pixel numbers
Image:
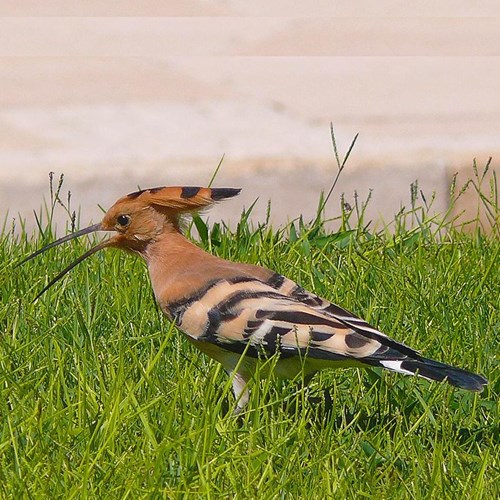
[{"x": 239, "y": 313}]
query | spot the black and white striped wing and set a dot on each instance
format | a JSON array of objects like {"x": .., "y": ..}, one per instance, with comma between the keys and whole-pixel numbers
[{"x": 246, "y": 315}]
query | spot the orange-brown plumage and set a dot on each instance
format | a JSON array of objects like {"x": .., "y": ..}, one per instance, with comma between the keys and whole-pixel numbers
[{"x": 229, "y": 310}]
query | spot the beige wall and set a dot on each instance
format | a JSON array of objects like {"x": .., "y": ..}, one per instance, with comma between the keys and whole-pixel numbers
[{"x": 114, "y": 102}]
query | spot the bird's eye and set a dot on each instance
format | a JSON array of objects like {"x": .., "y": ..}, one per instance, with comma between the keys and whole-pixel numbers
[{"x": 123, "y": 220}]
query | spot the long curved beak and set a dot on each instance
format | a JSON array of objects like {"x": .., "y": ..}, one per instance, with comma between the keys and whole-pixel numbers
[{"x": 64, "y": 239}]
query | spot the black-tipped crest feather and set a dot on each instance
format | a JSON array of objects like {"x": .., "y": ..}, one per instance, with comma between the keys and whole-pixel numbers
[{"x": 219, "y": 194}]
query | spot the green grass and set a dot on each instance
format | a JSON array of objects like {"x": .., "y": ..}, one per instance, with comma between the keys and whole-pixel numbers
[{"x": 102, "y": 398}]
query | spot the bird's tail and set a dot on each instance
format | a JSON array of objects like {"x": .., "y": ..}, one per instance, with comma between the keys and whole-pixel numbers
[{"x": 434, "y": 370}]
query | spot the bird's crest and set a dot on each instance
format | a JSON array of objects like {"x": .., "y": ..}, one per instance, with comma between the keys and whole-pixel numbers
[{"x": 182, "y": 198}]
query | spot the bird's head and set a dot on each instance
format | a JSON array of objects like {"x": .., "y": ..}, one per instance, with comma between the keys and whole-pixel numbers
[{"x": 139, "y": 218}]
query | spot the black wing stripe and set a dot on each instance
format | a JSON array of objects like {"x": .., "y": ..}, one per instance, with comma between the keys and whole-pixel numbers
[
  {"x": 239, "y": 347},
  {"x": 356, "y": 341},
  {"x": 318, "y": 353},
  {"x": 251, "y": 328},
  {"x": 177, "y": 308},
  {"x": 320, "y": 336},
  {"x": 303, "y": 318},
  {"x": 272, "y": 341},
  {"x": 236, "y": 298},
  {"x": 276, "y": 281}
]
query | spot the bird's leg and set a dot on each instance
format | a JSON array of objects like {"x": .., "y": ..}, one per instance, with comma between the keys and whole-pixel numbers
[{"x": 240, "y": 391}]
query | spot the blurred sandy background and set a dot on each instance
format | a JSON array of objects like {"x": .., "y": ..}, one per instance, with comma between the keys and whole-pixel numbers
[{"x": 122, "y": 94}]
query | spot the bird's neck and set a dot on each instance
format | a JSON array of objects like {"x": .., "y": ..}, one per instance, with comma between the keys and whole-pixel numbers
[{"x": 176, "y": 266}]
